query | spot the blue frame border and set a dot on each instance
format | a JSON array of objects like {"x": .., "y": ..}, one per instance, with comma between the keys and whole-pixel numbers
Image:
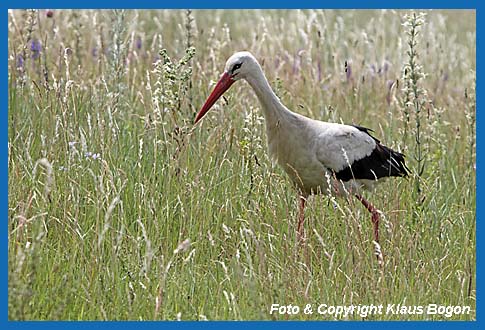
[{"x": 248, "y": 4}]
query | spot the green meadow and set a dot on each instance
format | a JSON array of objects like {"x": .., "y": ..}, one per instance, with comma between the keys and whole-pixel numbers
[{"x": 120, "y": 209}]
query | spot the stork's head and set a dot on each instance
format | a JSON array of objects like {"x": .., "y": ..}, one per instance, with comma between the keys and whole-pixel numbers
[{"x": 238, "y": 66}]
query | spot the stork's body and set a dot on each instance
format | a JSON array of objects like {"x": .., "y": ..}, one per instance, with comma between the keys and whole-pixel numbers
[{"x": 319, "y": 157}]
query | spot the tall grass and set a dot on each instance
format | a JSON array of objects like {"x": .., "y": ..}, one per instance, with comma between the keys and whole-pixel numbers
[{"x": 120, "y": 209}]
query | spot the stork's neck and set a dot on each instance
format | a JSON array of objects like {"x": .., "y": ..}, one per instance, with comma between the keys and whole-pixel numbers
[{"x": 273, "y": 109}]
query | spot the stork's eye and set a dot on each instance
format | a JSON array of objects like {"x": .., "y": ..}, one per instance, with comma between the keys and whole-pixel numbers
[{"x": 236, "y": 66}]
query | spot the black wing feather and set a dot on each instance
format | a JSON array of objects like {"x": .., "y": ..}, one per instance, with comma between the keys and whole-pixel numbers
[{"x": 382, "y": 162}]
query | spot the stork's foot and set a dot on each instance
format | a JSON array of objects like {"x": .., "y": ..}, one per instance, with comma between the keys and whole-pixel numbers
[
  {"x": 375, "y": 222},
  {"x": 376, "y": 216},
  {"x": 378, "y": 253},
  {"x": 300, "y": 234},
  {"x": 377, "y": 247}
]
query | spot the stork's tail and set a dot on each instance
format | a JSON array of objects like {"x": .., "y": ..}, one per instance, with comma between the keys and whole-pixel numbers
[{"x": 396, "y": 164}]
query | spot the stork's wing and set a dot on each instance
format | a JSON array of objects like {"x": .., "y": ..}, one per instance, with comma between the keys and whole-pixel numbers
[{"x": 352, "y": 153}]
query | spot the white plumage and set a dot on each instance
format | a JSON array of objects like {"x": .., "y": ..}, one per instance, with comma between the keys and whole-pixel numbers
[{"x": 319, "y": 157}]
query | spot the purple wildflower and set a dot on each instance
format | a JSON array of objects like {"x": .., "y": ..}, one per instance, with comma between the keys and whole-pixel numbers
[
  {"x": 94, "y": 52},
  {"x": 385, "y": 66},
  {"x": 92, "y": 155},
  {"x": 348, "y": 71},
  {"x": 277, "y": 62},
  {"x": 49, "y": 13},
  {"x": 35, "y": 48},
  {"x": 138, "y": 42},
  {"x": 20, "y": 62},
  {"x": 373, "y": 68}
]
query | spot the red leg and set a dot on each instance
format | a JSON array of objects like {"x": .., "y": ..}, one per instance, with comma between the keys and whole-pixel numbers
[
  {"x": 375, "y": 215},
  {"x": 301, "y": 217}
]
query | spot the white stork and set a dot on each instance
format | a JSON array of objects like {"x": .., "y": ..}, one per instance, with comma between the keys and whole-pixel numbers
[{"x": 319, "y": 157}]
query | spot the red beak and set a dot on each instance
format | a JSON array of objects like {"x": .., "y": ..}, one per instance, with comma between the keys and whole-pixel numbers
[{"x": 222, "y": 85}]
